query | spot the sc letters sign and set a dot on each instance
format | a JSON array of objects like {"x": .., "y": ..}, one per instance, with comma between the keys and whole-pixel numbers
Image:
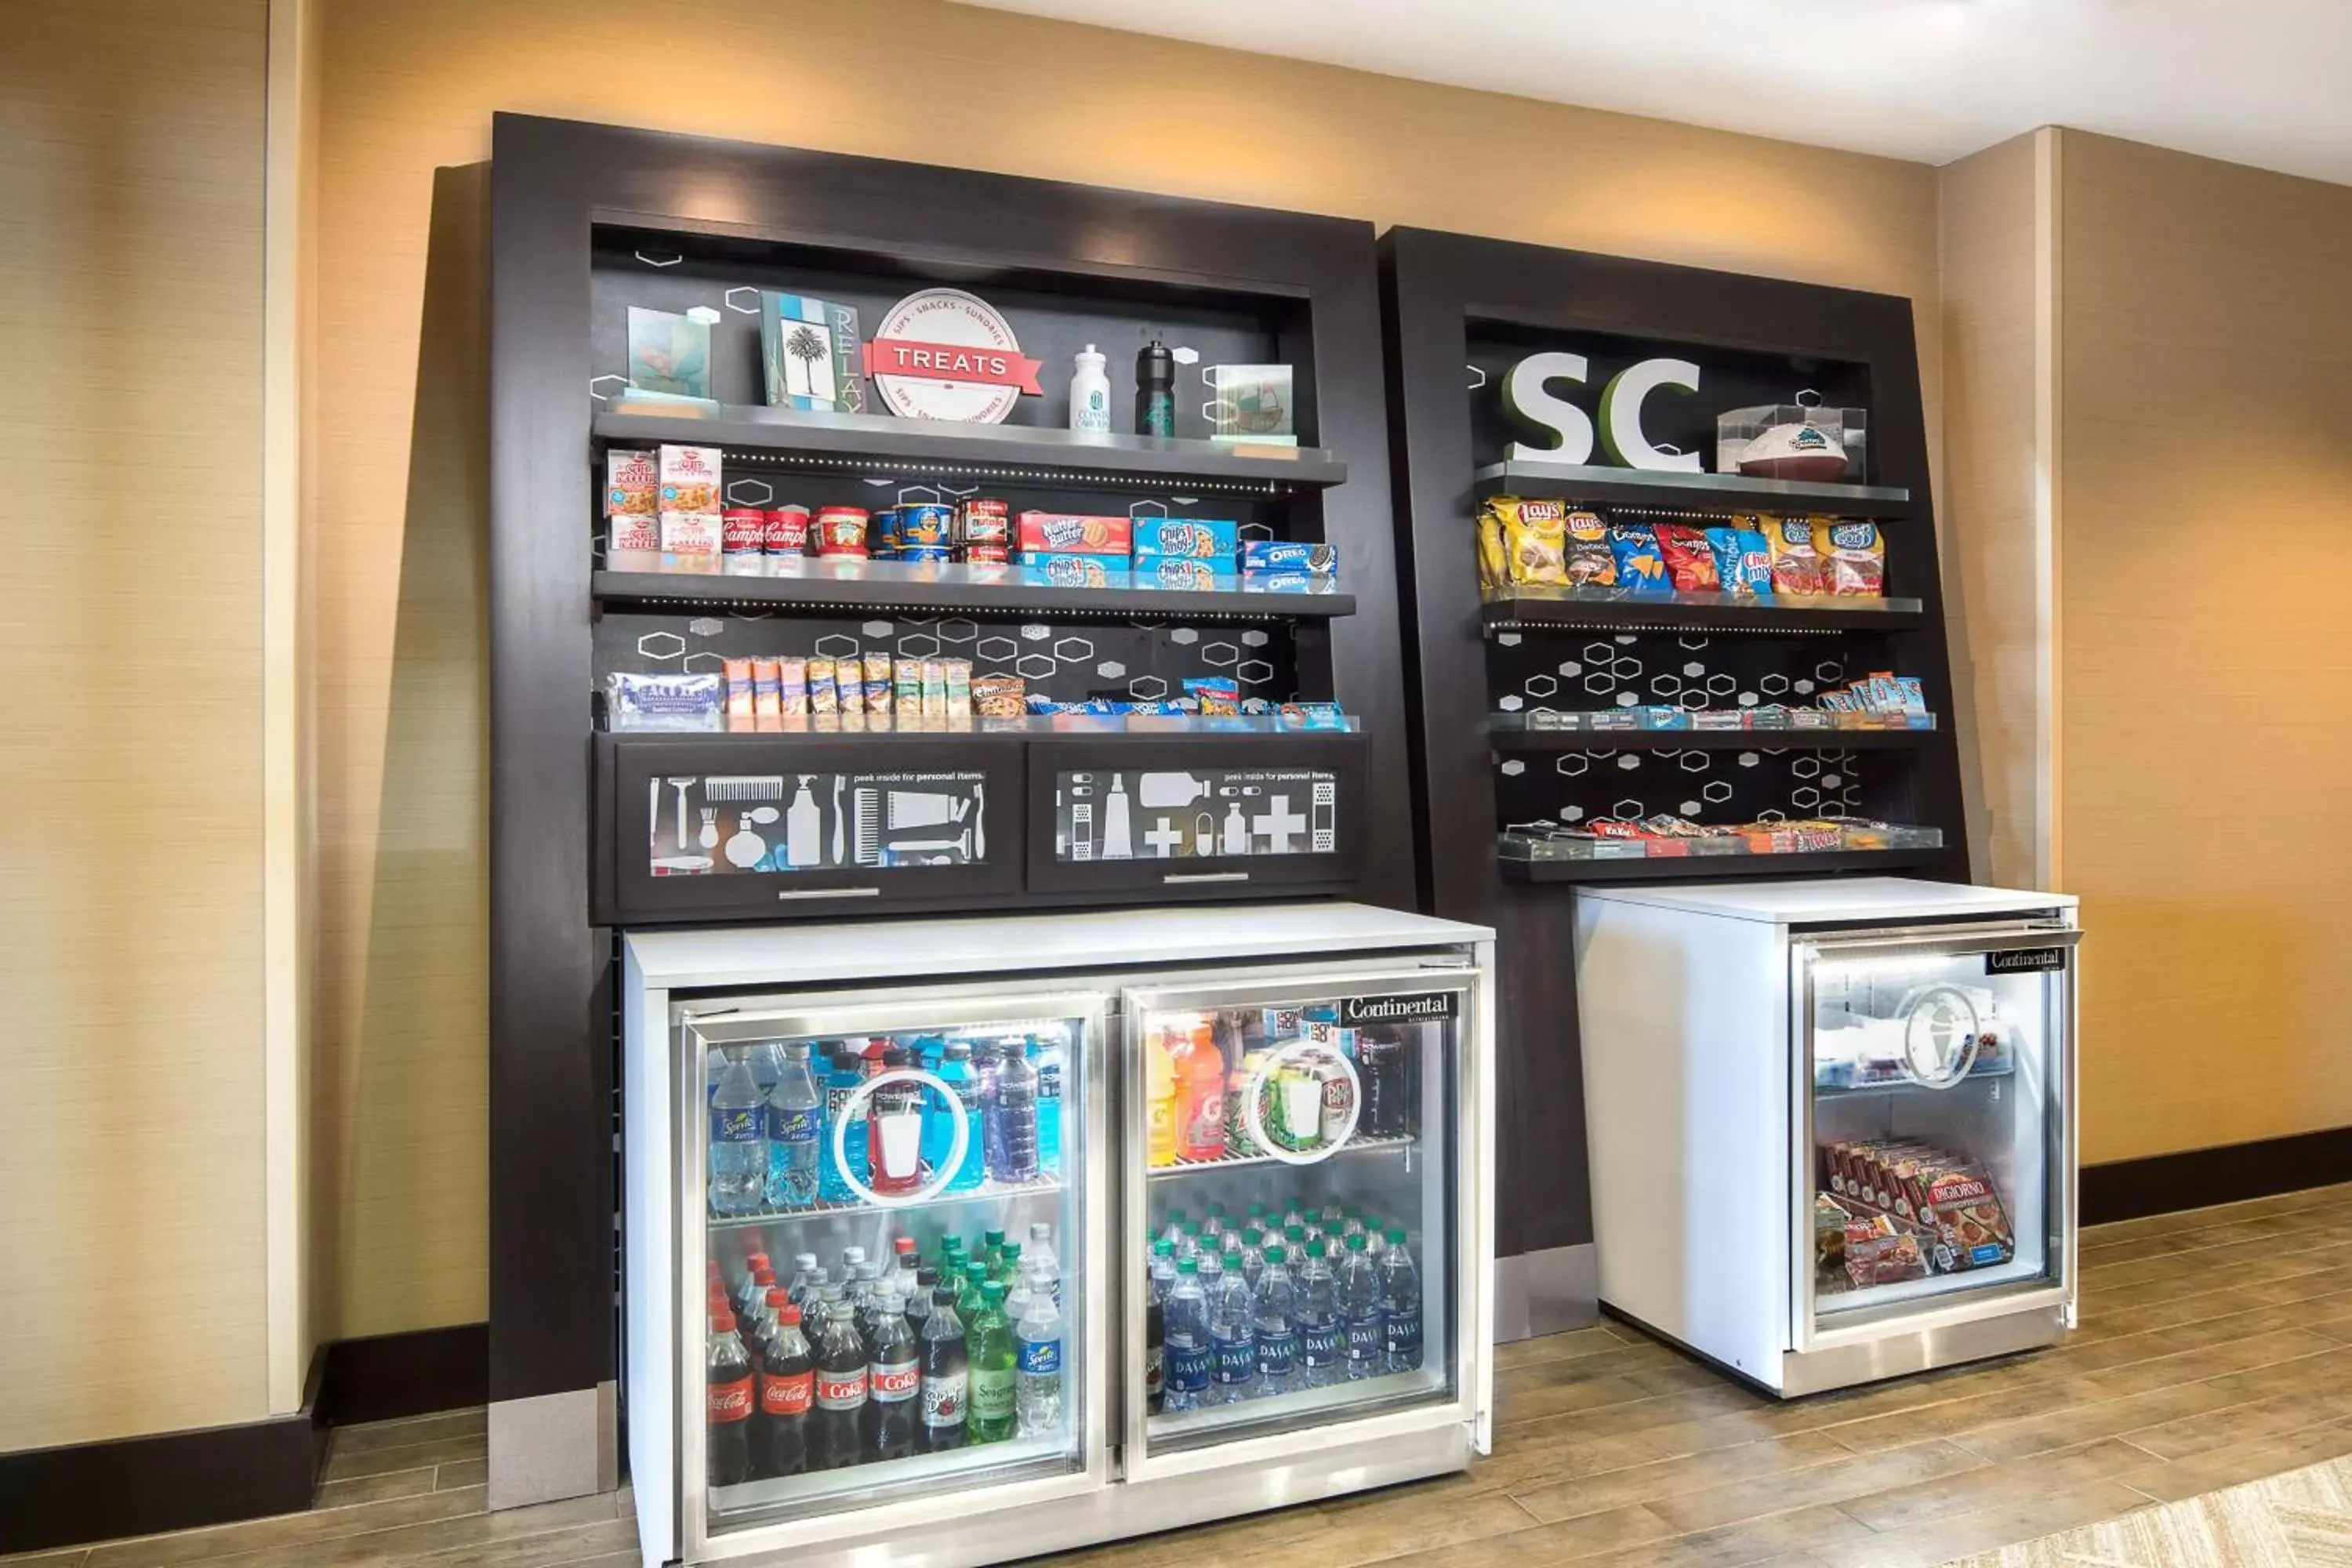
[{"x": 1528, "y": 393}]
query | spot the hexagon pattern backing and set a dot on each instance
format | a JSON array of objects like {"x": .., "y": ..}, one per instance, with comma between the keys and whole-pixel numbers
[
  {"x": 1141, "y": 661},
  {"x": 1581, "y": 672}
]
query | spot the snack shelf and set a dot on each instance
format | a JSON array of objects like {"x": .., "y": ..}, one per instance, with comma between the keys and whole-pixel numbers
[
  {"x": 1362, "y": 1144},
  {"x": 814, "y": 582},
  {"x": 1717, "y": 868},
  {"x": 1507, "y": 738},
  {"x": 987, "y": 1192},
  {"x": 778, "y": 442},
  {"x": 1674, "y": 491},
  {"x": 1615, "y": 609},
  {"x": 827, "y": 727}
]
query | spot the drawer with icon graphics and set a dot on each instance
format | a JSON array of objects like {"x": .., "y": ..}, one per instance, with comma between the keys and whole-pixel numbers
[
  {"x": 698, "y": 827},
  {"x": 1210, "y": 818}
]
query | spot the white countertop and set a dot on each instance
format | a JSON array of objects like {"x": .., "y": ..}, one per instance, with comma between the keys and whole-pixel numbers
[
  {"x": 1108, "y": 938},
  {"x": 1877, "y": 900}
]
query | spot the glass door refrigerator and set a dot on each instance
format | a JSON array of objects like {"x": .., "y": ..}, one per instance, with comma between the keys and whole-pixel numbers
[
  {"x": 958, "y": 1241},
  {"x": 1831, "y": 1121}
]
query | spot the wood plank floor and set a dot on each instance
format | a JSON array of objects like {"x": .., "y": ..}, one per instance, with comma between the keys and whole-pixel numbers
[{"x": 2217, "y": 1350}]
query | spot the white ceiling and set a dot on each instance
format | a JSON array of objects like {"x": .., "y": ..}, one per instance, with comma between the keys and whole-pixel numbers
[{"x": 2254, "y": 81}]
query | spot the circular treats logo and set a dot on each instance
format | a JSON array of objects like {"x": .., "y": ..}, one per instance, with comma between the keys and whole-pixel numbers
[{"x": 942, "y": 353}]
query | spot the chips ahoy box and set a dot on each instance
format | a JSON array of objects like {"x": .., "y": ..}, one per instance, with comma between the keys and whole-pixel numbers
[{"x": 1186, "y": 538}]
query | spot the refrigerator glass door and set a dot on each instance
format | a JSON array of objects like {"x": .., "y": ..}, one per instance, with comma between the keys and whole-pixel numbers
[
  {"x": 1935, "y": 1077},
  {"x": 836, "y": 1145},
  {"x": 1297, "y": 1249}
]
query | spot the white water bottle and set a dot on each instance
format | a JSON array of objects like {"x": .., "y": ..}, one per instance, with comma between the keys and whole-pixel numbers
[{"x": 1090, "y": 394}]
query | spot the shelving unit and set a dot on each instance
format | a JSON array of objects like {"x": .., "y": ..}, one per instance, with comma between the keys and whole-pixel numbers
[
  {"x": 1716, "y": 867},
  {"x": 1609, "y": 609},
  {"x": 815, "y": 584},
  {"x": 1675, "y": 490},
  {"x": 881, "y": 445},
  {"x": 1359, "y": 1144},
  {"x": 987, "y": 1191},
  {"x": 1508, "y": 742}
]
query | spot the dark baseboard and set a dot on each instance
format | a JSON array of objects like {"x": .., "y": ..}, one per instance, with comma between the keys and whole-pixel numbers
[
  {"x": 387, "y": 1376},
  {"x": 217, "y": 1475},
  {"x": 2198, "y": 1178}
]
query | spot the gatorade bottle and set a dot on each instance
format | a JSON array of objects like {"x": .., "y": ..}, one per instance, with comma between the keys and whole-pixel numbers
[
  {"x": 1200, "y": 1098},
  {"x": 728, "y": 1404},
  {"x": 1160, "y": 1099}
]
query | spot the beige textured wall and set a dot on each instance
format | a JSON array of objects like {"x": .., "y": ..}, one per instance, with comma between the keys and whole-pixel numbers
[
  {"x": 410, "y": 85},
  {"x": 2206, "y": 685},
  {"x": 131, "y": 1020},
  {"x": 1993, "y": 282}
]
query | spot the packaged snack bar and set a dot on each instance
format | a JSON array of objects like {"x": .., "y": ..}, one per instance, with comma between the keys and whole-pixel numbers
[
  {"x": 1690, "y": 559},
  {"x": 1853, "y": 557},
  {"x": 999, "y": 696},
  {"x": 957, "y": 675},
  {"x": 1743, "y": 560},
  {"x": 1640, "y": 567},
  {"x": 1796, "y": 565},
  {"x": 791, "y": 687},
  {"x": 935, "y": 688},
  {"x": 877, "y": 683},
  {"x": 849, "y": 684},
  {"x": 1494, "y": 564},
  {"x": 1534, "y": 540},
  {"x": 766, "y": 699},
  {"x": 907, "y": 684},
  {"x": 738, "y": 687},
  {"x": 640, "y": 703},
  {"x": 823, "y": 695},
  {"x": 1591, "y": 562}
]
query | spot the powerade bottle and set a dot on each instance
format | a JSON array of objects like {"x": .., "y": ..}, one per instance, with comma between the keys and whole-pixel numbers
[
  {"x": 1322, "y": 1339},
  {"x": 738, "y": 1145},
  {"x": 1045, "y": 1056},
  {"x": 1400, "y": 1299},
  {"x": 1361, "y": 1313},
  {"x": 1190, "y": 1355},
  {"x": 1233, "y": 1330},
  {"x": 841, "y": 1081},
  {"x": 939, "y": 1137},
  {"x": 1275, "y": 1304},
  {"x": 1013, "y": 1110}
]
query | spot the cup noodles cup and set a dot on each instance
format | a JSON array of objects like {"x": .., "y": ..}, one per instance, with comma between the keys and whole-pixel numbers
[
  {"x": 786, "y": 531},
  {"x": 841, "y": 531},
  {"x": 690, "y": 540},
  {"x": 690, "y": 479},
  {"x": 743, "y": 531}
]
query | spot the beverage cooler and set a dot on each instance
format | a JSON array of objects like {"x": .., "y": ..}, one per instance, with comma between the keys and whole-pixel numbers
[
  {"x": 1832, "y": 1121},
  {"x": 956, "y": 1241}
]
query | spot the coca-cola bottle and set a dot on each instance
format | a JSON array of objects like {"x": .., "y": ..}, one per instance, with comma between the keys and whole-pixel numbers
[
  {"x": 730, "y": 1404},
  {"x": 894, "y": 1377},
  {"x": 787, "y": 1389},
  {"x": 840, "y": 1392},
  {"x": 945, "y": 1375}
]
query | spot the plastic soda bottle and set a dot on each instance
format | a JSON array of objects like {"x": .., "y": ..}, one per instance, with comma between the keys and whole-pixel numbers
[
  {"x": 787, "y": 1387},
  {"x": 1041, "y": 1258},
  {"x": 738, "y": 1145},
  {"x": 795, "y": 1116},
  {"x": 730, "y": 1401},
  {"x": 893, "y": 1378},
  {"x": 1037, "y": 1353},
  {"x": 946, "y": 1376},
  {"x": 995, "y": 1404},
  {"x": 842, "y": 1369}
]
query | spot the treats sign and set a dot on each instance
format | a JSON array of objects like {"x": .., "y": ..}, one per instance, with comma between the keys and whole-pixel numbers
[
  {"x": 942, "y": 353},
  {"x": 1526, "y": 392}
]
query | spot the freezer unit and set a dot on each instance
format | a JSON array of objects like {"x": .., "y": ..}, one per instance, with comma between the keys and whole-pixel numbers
[
  {"x": 1832, "y": 1121},
  {"x": 1203, "y": 1193}
]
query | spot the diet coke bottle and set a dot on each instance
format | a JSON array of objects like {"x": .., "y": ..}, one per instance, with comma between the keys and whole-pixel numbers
[
  {"x": 840, "y": 1392},
  {"x": 895, "y": 1376}
]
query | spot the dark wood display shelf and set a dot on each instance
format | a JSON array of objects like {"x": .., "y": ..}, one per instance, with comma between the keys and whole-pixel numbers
[
  {"x": 878, "y": 445},
  {"x": 1677, "y": 492},
  {"x": 1717, "y": 868},
  {"x": 1509, "y": 739},
  {"x": 1610, "y": 610},
  {"x": 934, "y": 596}
]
